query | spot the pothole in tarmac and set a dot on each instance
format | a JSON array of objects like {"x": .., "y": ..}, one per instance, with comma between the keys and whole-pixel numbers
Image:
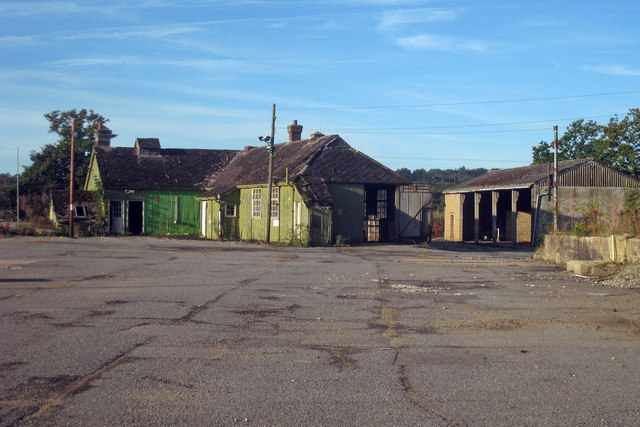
[
  {"x": 340, "y": 355},
  {"x": 440, "y": 286}
]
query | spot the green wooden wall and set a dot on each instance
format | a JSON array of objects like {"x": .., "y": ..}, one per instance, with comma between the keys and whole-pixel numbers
[
  {"x": 282, "y": 229},
  {"x": 347, "y": 217},
  {"x": 244, "y": 227}
]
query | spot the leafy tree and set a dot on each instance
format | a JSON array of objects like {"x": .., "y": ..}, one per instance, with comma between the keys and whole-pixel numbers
[
  {"x": 616, "y": 144},
  {"x": 581, "y": 139},
  {"x": 404, "y": 172},
  {"x": 623, "y": 142},
  {"x": 51, "y": 165},
  {"x": 440, "y": 179},
  {"x": 7, "y": 179}
]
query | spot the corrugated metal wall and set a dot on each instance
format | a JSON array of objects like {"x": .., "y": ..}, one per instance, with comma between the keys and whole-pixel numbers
[
  {"x": 593, "y": 174},
  {"x": 171, "y": 212}
]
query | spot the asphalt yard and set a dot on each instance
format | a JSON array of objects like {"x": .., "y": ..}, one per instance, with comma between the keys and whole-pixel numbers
[{"x": 111, "y": 331}]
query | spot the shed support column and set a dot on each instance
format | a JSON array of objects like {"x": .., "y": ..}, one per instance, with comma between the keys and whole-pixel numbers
[
  {"x": 460, "y": 225},
  {"x": 514, "y": 216},
  {"x": 494, "y": 216},
  {"x": 476, "y": 217}
]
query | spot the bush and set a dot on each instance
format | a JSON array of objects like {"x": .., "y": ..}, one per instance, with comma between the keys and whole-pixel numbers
[
  {"x": 591, "y": 223},
  {"x": 580, "y": 229}
]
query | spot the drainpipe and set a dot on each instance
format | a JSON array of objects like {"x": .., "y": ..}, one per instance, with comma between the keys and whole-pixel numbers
[{"x": 535, "y": 218}]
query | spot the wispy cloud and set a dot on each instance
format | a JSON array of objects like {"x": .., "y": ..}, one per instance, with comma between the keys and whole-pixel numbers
[
  {"x": 442, "y": 43},
  {"x": 88, "y": 62},
  {"x": 613, "y": 70},
  {"x": 23, "y": 9},
  {"x": 14, "y": 41},
  {"x": 127, "y": 33},
  {"x": 403, "y": 17},
  {"x": 26, "y": 9},
  {"x": 228, "y": 64}
]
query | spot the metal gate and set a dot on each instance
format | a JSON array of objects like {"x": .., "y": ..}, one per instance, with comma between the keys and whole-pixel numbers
[{"x": 415, "y": 204}]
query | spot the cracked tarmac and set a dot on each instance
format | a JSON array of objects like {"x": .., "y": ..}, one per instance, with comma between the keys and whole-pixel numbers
[{"x": 163, "y": 331}]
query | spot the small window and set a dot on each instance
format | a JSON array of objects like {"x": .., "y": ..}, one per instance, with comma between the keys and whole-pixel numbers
[
  {"x": 275, "y": 202},
  {"x": 256, "y": 203},
  {"x": 381, "y": 197},
  {"x": 230, "y": 211},
  {"x": 81, "y": 211}
]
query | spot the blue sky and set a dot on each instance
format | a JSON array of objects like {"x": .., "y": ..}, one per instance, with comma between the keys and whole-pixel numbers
[{"x": 431, "y": 84}]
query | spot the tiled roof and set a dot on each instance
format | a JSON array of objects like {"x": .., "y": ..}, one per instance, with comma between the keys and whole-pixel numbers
[
  {"x": 521, "y": 177},
  {"x": 173, "y": 169},
  {"x": 311, "y": 164},
  {"x": 148, "y": 143}
]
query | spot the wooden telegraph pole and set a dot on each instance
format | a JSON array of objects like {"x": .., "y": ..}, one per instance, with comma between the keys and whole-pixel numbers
[
  {"x": 73, "y": 131},
  {"x": 555, "y": 178},
  {"x": 270, "y": 148}
]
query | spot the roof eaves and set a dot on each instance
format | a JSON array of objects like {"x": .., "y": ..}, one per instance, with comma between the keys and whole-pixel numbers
[{"x": 488, "y": 188}]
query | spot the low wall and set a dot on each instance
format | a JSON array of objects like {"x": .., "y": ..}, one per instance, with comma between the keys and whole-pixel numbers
[{"x": 562, "y": 248}]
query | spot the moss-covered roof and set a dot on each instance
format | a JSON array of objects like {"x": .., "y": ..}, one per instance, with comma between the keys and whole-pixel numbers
[{"x": 311, "y": 164}]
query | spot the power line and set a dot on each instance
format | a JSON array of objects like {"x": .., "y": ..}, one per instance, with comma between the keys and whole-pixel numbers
[
  {"x": 449, "y": 104},
  {"x": 394, "y": 130},
  {"x": 450, "y": 133},
  {"x": 449, "y": 159},
  {"x": 464, "y": 126}
]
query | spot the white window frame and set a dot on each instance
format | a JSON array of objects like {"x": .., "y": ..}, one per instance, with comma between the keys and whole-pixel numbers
[
  {"x": 230, "y": 207},
  {"x": 256, "y": 203},
  {"x": 275, "y": 202}
]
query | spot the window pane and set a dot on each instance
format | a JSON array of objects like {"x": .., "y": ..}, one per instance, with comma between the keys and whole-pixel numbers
[
  {"x": 382, "y": 203},
  {"x": 275, "y": 202},
  {"x": 256, "y": 203}
]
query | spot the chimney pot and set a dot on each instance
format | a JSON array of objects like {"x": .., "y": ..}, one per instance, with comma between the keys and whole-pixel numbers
[
  {"x": 103, "y": 136},
  {"x": 295, "y": 131}
]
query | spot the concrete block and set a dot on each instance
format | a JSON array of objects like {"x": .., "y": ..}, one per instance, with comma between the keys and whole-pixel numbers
[{"x": 582, "y": 267}]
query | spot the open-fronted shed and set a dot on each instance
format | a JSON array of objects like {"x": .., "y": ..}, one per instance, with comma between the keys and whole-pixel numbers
[{"x": 516, "y": 204}]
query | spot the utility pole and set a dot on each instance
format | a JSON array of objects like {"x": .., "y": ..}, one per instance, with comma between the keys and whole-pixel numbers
[
  {"x": 73, "y": 131},
  {"x": 270, "y": 183},
  {"x": 18, "y": 190},
  {"x": 555, "y": 178}
]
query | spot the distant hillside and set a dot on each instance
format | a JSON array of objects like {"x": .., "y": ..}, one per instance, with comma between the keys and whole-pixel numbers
[{"x": 440, "y": 179}]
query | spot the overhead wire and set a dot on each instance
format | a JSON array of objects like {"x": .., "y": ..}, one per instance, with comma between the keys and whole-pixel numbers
[
  {"x": 404, "y": 130},
  {"x": 449, "y": 104}
]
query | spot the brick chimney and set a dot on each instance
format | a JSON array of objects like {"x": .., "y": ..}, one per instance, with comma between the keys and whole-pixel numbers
[
  {"x": 295, "y": 131},
  {"x": 103, "y": 136}
]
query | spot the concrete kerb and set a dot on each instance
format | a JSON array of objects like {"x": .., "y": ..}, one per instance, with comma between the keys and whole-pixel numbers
[{"x": 562, "y": 249}]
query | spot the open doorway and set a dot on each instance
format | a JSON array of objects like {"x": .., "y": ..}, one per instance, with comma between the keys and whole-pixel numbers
[{"x": 135, "y": 216}]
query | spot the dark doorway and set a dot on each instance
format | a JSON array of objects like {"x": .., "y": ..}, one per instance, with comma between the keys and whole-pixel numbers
[
  {"x": 135, "y": 216},
  {"x": 379, "y": 208}
]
